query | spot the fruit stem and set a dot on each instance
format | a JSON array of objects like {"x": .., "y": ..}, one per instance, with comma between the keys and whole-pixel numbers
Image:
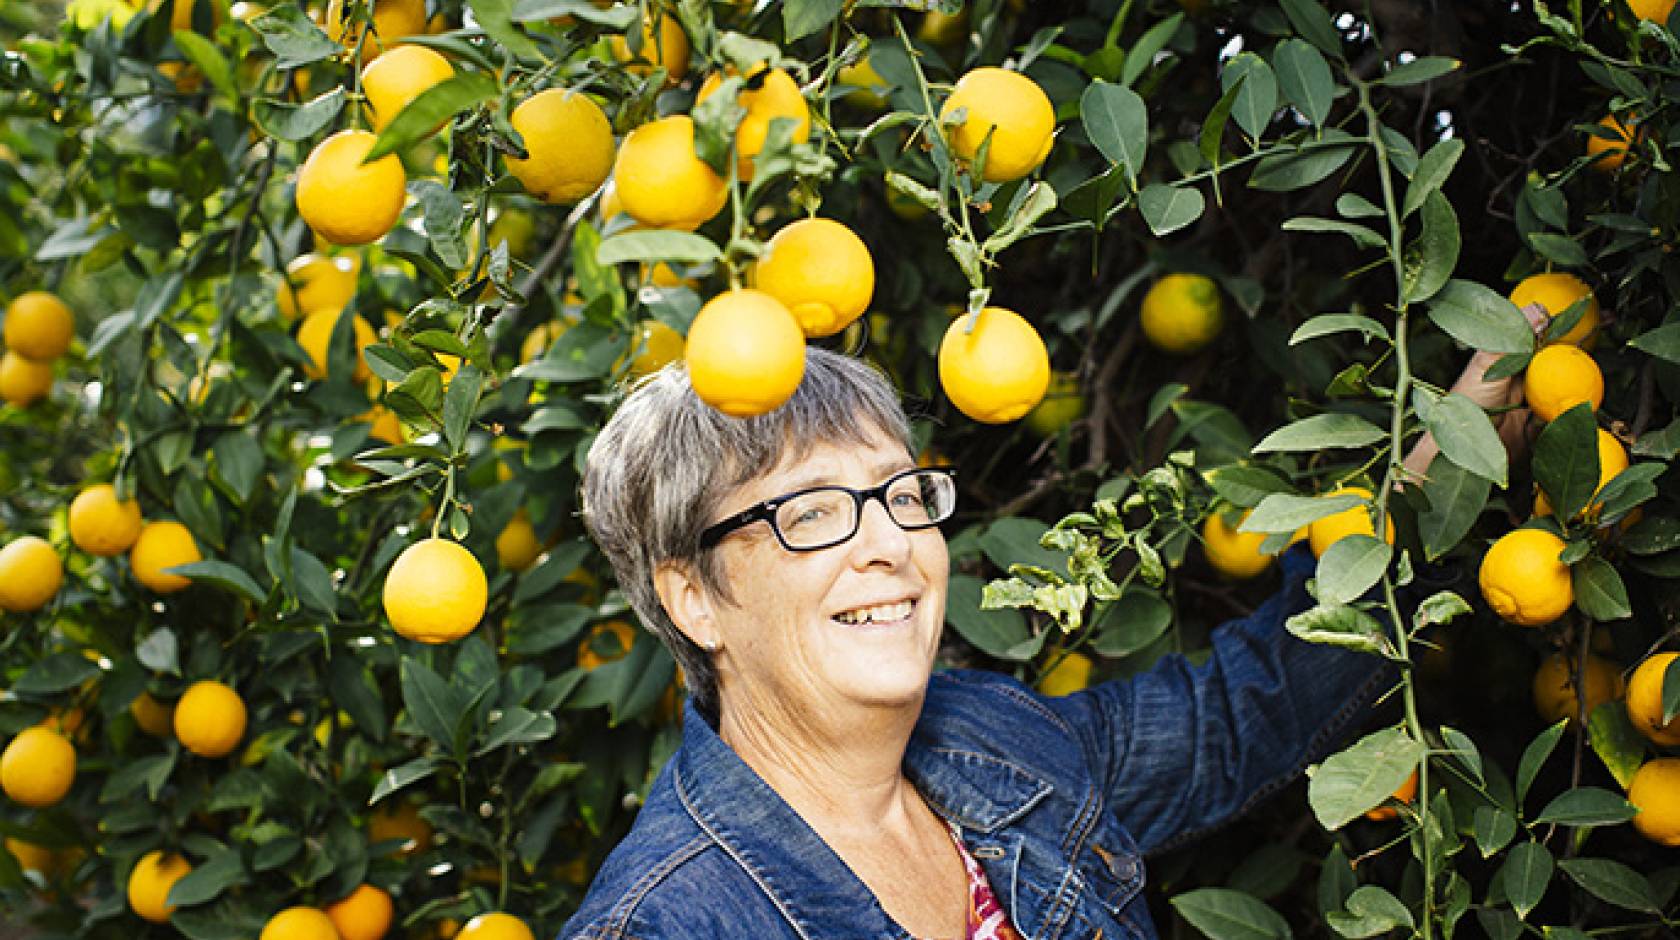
[{"x": 1397, "y": 442}]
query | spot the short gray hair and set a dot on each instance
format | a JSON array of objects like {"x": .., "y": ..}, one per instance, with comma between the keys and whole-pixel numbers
[{"x": 658, "y": 473}]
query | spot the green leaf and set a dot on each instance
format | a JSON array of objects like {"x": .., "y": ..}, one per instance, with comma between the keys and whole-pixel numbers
[
  {"x": 1016, "y": 540},
  {"x": 1419, "y": 70},
  {"x": 1138, "y": 618},
  {"x": 1333, "y": 429},
  {"x": 1599, "y": 592},
  {"x": 1256, "y": 99},
  {"x": 1525, "y": 874},
  {"x": 1494, "y": 828},
  {"x": 1329, "y": 324},
  {"x": 1284, "y": 512},
  {"x": 1468, "y": 438},
  {"x": 223, "y": 575},
  {"x": 432, "y": 107},
  {"x": 1534, "y": 757},
  {"x": 495, "y": 17},
  {"x": 1440, "y": 608},
  {"x": 1481, "y": 318},
  {"x": 204, "y": 54},
  {"x": 1213, "y": 126},
  {"x": 1630, "y": 488},
  {"x": 296, "y": 122},
  {"x": 1371, "y": 911},
  {"x": 1337, "y": 625},
  {"x": 55, "y": 673},
  {"x": 1616, "y": 741},
  {"x": 1587, "y": 806},
  {"x": 160, "y": 651},
  {"x": 1433, "y": 168},
  {"x": 995, "y": 632},
  {"x": 1428, "y": 262},
  {"x": 1362, "y": 236},
  {"x": 1559, "y": 249},
  {"x": 1565, "y": 460},
  {"x": 1358, "y": 779},
  {"x": 1456, "y": 498},
  {"x": 435, "y": 706},
  {"x": 1351, "y": 567},
  {"x": 1283, "y": 171},
  {"x": 1143, "y": 52},
  {"x": 1224, "y": 914},
  {"x": 1312, "y": 22},
  {"x": 1246, "y": 486},
  {"x": 403, "y": 775},
  {"x": 1167, "y": 209},
  {"x": 293, "y": 38},
  {"x": 314, "y": 584},
  {"x": 238, "y": 463},
  {"x": 617, "y": 18},
  {"x": 1039, "y": 201},
  {"x": 1611, "y": 882},
  {"x": 1662, "y": 342},
  {"x": 353, "y": 690},
  {"x": 518, "y": 726},
  {"x": 656, "y": 245},
  {"x": 208, "y": 879},
  {"x": 1305, "y": 79},
  {"x": 802, "y": 19},
  {"x": 583, "y": 352},
  {"x": 460, "y": 402},
  {"x": 1117, "y": 121}
]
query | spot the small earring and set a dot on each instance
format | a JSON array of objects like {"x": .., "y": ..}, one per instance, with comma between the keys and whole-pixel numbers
[{"x": 710, "y": 646}]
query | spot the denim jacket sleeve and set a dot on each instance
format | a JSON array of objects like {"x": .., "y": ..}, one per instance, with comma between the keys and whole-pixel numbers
[{"x": 1183, "y": 748}]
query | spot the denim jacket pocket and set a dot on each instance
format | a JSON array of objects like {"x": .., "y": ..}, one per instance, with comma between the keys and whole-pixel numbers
[{"x": 1112, "y": 872}]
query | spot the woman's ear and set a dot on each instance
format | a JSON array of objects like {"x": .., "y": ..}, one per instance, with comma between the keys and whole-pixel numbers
[{"x": 688, "y": 604}]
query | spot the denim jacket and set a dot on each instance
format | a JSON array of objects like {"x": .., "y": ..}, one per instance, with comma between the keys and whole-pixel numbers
[{"x": 1057, "y": 798}]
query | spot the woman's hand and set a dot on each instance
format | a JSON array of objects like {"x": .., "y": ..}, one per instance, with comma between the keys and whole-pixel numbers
[{"x": 1502, "y": 395}]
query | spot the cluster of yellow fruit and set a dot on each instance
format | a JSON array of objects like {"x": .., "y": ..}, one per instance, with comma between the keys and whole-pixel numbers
[
  {"x": 1655, "y": 787},
  {"x": 1521, "y": 577},
  {"x": 38, "y": 329},
  {"x": 1236, "y": 554}
]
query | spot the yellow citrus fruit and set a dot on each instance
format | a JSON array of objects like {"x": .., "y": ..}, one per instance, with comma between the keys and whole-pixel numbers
[
  {"x": 23, "y": 382},
  {"x": 344, "y": 201},
  {"x": 663, "y": 45},
  {"x": 767, "y": 95},
  {"x": 32, "y": 857},
  {"x": 210, "y": 719},
  {"x": 383, "y": 425},
  {"x": 1182, "y": 313},
  {"x": 745, "y": 353},
  {"x": 1615, "y": 150},
  {"x": 299, "y": 923},
  {"x": 517, "y": 547},
  {"x": 149, "y": 883},
  {"x": 1331, "y": 529},
  {"x": 1233, "y": 553},
  {"x": 596, "y": 651},
  {"x": 317, "y": 282},
  {"x": 868, "y": 88},
  {"x": 570, "y": 142},
  {"x": 1405, "y": 794},
  {"x": 1554, "y": 687},
  {"x": 495, "y": 926},
  {"x": 315, "y": 336},
  {"x": 1644, "y": 700},
  {"x": 943, "y": 29},
  {"x": 997, "y": 371},
  {"x": 30, "y": 574},
  {"x": 400, "y": 823},
  {"x": 39, "y": 326},
  {"x": 154, "y": 717},
  {"x": 37, "y": 767},
  {"x": 1013, "y": 110},
  {"x": 1063, "y": 404},
  {"x": 1560, "y": 377},
  {"x": 661, "y": 182},
  {"x": 66, "y": 721},
  {"x": 393, "y": 20},
  {"x": 101, "y": 524},
  {"x": 1612, "y": 460},
  {"x": 1523, "y": 580},
  {"x": 163, "y": 545},
  {"x": 398, "y": 77},
  {"x": 538, "y": 340},
  {"x": 654, "y": 347},
  {"x": 435, "y": 592},
  {"x": 1556, "y": 291},
  {"x": 821, "y": 271},
  {"x": 1656, "y": 791},
  {"x": 1069, "y": 675},
  {"x": 1657, "y": 10},
  {"x": 363, "y": 914}
]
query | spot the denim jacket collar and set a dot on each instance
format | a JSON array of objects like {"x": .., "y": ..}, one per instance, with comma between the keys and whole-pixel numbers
[{"x": 794, "y": 866}]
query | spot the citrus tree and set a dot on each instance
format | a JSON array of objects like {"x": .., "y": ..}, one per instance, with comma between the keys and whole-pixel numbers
[{"x": 313, "y": 310}]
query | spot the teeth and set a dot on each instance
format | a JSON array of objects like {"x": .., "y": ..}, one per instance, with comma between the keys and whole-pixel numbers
[{"x": 880, "y": 613}]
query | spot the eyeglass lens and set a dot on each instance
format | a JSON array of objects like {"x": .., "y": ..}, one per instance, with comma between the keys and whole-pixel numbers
[{"x": 829, "y": 515}]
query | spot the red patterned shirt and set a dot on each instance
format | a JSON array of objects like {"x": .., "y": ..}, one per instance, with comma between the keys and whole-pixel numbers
[{"x": 986, "y": 917}]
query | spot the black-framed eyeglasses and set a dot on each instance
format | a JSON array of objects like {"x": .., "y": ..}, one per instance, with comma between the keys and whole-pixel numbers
[{"x": 825, "y": 516}]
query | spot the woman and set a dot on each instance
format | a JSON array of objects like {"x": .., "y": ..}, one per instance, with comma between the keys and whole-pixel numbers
[{"x": 829, "y": 784}]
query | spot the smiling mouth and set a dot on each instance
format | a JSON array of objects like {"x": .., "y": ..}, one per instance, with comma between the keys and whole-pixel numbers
[{"x": 877, "y": 615}]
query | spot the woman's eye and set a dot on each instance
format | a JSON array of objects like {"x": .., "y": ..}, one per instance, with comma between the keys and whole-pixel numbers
[{"x": 809, "y": 516}]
